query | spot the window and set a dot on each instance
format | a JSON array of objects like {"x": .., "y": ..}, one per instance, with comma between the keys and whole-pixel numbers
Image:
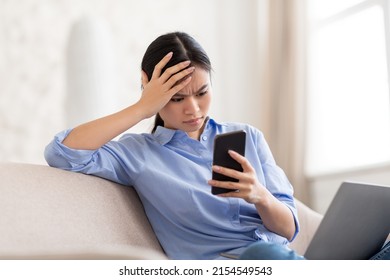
[{"x": 348, "y": 107}]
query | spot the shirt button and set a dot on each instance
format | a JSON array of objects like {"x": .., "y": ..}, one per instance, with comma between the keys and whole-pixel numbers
[{"x": 204, "y": 137}]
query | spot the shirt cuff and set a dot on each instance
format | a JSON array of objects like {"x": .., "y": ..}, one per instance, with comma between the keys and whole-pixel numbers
[
  {"x": 296, "y": 222},
  {"x": 61, "y": 156}
]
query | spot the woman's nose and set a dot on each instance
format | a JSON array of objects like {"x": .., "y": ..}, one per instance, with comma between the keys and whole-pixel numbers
[{"x": 191, "y": 105}]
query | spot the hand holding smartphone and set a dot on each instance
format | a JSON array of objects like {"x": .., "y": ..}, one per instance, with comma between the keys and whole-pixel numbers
[{"x": 222, "y": 144}]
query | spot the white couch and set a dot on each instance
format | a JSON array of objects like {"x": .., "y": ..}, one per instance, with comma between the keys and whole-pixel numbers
[{"x": 47, "y": 213}]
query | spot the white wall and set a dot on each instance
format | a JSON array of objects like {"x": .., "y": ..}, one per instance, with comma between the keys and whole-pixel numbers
[
  {"x": 323, "y": 188},
  {"x": 33, "y": 42}
]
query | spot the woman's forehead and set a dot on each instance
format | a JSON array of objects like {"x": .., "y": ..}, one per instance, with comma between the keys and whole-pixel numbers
[{"x": 200, "y": 79}]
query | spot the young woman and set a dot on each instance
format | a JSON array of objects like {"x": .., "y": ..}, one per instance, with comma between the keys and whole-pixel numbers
[{"x": 171, "y": 167}]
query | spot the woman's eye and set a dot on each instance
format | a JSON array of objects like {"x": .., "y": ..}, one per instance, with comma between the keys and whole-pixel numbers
[
  {"x": 177, "y": 99},
  {"x": 202, "y": 93}
]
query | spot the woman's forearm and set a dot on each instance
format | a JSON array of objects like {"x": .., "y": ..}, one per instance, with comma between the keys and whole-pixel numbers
[
  {"x": 156, "y": 94},
  {"x": 277, "y": 217},
  {"x": 92, "y": 135}
]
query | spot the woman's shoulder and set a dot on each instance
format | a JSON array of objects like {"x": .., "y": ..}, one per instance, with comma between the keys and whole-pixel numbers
[
  {"x": 140, "y": 138},
  {"x": 233, "y": 126},
  {"x": 132, "y": 143}
]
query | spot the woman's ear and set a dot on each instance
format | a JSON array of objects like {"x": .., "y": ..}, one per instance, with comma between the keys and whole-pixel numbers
[{"x": 144, "y": 79}]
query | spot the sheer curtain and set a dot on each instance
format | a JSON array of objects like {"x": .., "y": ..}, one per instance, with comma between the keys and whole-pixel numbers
[{"x": 283, "y": 95}]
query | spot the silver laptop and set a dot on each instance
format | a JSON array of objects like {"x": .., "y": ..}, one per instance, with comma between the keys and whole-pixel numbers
[{"x": 355, "y": 225}]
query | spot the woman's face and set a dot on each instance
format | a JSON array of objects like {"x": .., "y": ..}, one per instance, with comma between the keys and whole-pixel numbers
[{"x": 188, "y": 109}]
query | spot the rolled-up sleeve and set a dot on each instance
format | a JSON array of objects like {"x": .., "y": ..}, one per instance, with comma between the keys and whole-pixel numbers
[
  {"x": 276, "y": 180},
  {"x": 104, "y": 162}
]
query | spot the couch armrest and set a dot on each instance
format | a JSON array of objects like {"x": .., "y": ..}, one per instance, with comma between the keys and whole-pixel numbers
[
  {"x": 51, "y": 212},
  {"x": 309, "y": 221}
]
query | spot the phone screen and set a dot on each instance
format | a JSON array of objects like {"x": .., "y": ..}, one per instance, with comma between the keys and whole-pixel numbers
[{"x": 222, "y": 144}]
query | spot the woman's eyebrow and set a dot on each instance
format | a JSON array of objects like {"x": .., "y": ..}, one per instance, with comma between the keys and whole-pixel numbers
[{"x": 201, "y": 89}]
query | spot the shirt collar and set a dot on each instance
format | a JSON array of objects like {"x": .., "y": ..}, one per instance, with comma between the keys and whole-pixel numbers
[{"x": 164, "y": 135}]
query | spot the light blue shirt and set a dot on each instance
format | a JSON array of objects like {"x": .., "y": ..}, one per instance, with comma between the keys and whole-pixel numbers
[{"x": 169, "y": 171}]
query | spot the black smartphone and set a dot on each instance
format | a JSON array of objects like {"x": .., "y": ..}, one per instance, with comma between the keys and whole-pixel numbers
[{"x": 222, "y": 144}]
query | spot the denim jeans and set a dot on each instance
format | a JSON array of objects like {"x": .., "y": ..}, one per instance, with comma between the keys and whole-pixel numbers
[
  {"x": 273, "y": 251},
  {"x": 269, "y": 251},
  {"x": 383, "y": 254}
]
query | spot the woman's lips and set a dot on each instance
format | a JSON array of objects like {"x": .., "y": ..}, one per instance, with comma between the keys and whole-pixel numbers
[{"x": 194, "y": 121}]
